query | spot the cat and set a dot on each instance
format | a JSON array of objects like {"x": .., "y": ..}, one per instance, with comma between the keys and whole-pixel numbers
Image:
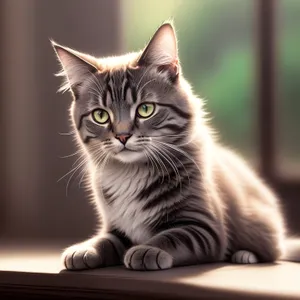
[{"x": 166, "y": 191}]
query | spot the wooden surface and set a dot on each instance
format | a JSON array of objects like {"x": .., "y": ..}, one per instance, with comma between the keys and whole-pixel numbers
[{"x": 35, "y": 272}]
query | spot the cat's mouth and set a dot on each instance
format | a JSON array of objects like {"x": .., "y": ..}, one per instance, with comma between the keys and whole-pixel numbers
[
  {"x": 127, "y": 155},
  {"x": 125, "y": 149}
]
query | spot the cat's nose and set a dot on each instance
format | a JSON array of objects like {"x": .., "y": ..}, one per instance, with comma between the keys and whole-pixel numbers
[{"x": 123, "y": 137}]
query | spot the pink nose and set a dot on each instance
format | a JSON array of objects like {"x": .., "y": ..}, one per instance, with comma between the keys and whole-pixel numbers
[{"x": 123, "y": 138}]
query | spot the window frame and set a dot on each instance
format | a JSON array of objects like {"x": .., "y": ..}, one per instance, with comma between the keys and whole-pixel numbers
[{"x": 267, "y": 62}]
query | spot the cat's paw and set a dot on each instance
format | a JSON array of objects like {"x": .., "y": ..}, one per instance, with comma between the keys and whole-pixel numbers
[
  {"x": 144, "y": 257},
  {"x": 244, "y": 257},
  {"x": 80, "y": 257}
]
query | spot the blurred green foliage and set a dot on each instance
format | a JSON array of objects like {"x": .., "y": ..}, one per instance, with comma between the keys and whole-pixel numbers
[{"x": 217, "y": 51}]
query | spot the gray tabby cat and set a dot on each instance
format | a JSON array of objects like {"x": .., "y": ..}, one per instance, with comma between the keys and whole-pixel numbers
[{"x": 166, "y": 192}]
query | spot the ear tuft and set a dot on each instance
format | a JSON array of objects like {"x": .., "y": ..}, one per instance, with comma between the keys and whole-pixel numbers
[
  {"x": 75, "y": 69},
  {"x": 162, "y": 52},
  {"x": 162, "y": 48}
]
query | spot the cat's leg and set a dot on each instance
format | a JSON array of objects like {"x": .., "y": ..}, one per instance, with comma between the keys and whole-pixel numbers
[
  {"x": 100, "y": 251},
  {"x": 180, "y": 246},
  {"x": 244, "y": 257}
]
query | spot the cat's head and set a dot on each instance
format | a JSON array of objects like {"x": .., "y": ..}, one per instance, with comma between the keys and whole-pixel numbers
[{"x": 131, "y": 107}]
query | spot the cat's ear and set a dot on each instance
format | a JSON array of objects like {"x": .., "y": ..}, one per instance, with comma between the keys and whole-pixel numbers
[
  {"x": 76, "y": 67},
  {"x": 162, "y": 51}
]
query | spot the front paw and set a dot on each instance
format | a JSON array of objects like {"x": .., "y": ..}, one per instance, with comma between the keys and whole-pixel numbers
[
  {"x": 144, "y": 257},
  {"x": 81, "y": 256}
]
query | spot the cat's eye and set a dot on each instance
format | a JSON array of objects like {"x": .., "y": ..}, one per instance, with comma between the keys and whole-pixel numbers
[
  {"x": 100, "y": 116},
  {"x": 145, "y": 110}
]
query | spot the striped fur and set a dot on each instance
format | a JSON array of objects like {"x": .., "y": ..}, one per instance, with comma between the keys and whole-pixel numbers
[
  {"x": 244, "y": 257},
  {"x": 172, "y": 195}
]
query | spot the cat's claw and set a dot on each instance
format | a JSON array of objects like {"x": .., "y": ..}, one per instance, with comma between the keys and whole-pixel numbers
[
  {"x": 80, "y": 257},
  {"x": 144, "y": 257}
]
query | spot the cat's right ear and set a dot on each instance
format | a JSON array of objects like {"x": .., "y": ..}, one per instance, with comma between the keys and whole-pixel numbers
[
  {"x": 162, "y": 51},
  {"x": 75, "y": 68}
]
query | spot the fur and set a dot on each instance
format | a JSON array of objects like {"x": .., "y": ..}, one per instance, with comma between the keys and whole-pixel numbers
[{"x": 167, "y": 193}]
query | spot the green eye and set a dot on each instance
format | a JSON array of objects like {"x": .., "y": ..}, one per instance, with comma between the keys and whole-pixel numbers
[
  {"x": 100, "y": 116},
  {"x": 145, "y": 110}
]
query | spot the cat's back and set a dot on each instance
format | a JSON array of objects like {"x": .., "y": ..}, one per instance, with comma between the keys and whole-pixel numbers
[{"x": 240, "y": 181}]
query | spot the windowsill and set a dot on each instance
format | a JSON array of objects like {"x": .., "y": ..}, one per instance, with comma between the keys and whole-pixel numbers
[{"x": 24, "y": 271}]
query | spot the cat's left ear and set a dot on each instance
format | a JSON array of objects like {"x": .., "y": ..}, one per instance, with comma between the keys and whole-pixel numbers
[
  {"x": 76, "y": 67},
  {"x": 162, "y": 51}
]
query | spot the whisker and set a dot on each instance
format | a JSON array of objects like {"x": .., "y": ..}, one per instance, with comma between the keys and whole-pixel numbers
[
  {"x": 99, "y": 87},
  {"x": 146, "y": 71},
  {"x": 72, "y": 172},
  {"x": 83, "y": 155},
  {"x": 80, "y": 162},
  {"x": 67, "y": 133},
  {"x": 84, "y": 171},
  {"x": 179, "y": 161},
  {"x": 182, "y": 152},
  {"x": 95, "y": 94},
  {"x": 93, "y": 79},
  {"x": 175, "y": 135},
  {"x": 160, "y": 161},
  {"x": 103, "y": 162},
  {"x": 99, "y": 159},
  {"x": 171, "y": 163},
  {"x": 156, "y": 162},
  {"x": 150, "y": 159},
  {"x": 71, "y": 155},
  {"x": 159, "y": 166},
  {"x": 151, "y": 80},
  {"x": 180, "y": 135},
  {"x": 68, "y": 173}
]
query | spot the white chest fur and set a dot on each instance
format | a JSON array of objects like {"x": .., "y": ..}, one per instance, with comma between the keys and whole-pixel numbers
[{"x": 125, "y": 182}]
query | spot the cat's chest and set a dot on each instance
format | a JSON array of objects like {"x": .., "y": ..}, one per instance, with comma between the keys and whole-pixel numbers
[{"x": 120, "y": 188}]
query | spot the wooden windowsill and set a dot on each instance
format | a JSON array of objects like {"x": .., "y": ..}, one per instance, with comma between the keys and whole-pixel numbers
[{"x": 26, "y": 273}]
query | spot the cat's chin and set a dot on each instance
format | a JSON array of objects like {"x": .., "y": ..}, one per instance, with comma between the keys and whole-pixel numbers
[{"x": 127, "y": 156}]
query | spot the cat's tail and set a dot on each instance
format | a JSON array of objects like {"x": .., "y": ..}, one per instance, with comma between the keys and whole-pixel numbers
[{"x": 292, "y": 252}]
